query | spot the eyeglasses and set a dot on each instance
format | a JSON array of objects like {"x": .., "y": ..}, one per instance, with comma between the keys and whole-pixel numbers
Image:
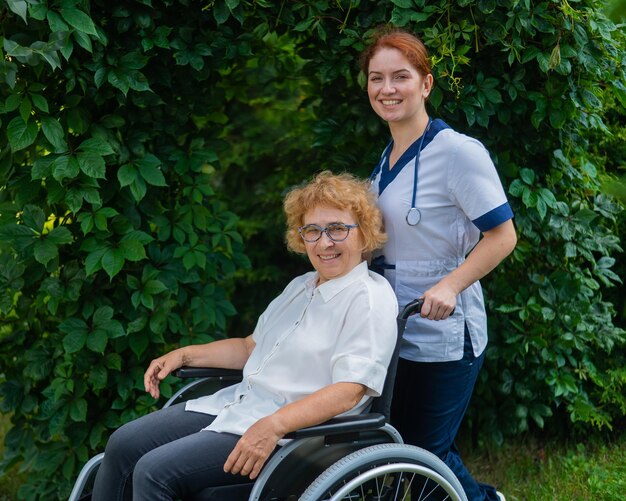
[{"x": 337, "y": 232}]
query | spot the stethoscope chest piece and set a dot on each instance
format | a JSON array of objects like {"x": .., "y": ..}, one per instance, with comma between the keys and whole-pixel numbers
[{"x": 414, "y": 216}]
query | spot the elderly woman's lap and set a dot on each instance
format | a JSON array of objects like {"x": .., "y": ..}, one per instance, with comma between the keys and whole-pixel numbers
[
  {"x": 167, "y": 447},
  {"x": 185, "y": 466}
]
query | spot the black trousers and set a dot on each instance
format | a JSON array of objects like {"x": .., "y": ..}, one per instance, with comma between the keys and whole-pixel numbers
[{"x": 429, "y": 402}]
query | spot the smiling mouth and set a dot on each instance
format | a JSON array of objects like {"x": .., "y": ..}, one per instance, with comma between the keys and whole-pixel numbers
[
  {"x": 390, "y": 102},
  {"x": 329, "y": 257}
]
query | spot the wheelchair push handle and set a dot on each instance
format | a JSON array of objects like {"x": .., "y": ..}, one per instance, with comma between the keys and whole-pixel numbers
[{"x": 412, "y": 308}]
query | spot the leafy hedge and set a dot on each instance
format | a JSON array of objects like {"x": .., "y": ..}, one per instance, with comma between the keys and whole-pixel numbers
[
  {"x": 115, "y": 241},
  {"x": 134, "y": 135}
]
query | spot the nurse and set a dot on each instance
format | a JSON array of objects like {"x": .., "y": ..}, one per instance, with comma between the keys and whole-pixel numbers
[{"x": 439, "y": 191}]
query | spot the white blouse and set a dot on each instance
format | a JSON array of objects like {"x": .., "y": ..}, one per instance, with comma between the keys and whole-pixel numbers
[{"x": 308, "y": 338}]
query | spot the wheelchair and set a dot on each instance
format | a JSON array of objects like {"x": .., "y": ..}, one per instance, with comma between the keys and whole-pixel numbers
[{"x": 351, "y": 458}]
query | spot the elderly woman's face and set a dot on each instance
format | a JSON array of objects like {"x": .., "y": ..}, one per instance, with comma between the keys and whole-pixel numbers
[{"x": 333, "y": 259}]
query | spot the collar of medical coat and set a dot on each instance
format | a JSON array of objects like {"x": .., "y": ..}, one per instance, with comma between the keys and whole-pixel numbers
[{"x": 334, "y": 286}]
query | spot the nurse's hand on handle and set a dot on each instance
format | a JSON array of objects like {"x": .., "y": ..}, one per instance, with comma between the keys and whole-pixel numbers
[
  {"x": 439, "y": 302},
  {"x": 496, "y": 244}
]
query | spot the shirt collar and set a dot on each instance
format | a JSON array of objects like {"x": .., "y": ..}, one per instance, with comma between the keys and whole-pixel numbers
[{"x": 331, "y": 288}]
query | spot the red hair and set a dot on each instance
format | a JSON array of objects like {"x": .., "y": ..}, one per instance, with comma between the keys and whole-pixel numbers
[{"x": 408, "y": 44}]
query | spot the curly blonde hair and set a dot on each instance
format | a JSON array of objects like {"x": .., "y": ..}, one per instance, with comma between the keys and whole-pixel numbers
[{"x": 343, "y": 192}]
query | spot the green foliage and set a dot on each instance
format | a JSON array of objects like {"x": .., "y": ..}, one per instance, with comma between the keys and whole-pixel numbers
[
  {"x": 126, "y": 127},
  {"x": 114, "y": 241}
]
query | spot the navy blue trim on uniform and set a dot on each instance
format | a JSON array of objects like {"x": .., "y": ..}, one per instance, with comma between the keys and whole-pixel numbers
[
  {"x": 494, "y": 217},
  {"x": 387, "y": 175}
]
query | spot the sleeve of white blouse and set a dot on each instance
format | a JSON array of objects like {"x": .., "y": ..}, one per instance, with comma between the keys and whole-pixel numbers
[
  {"x": 475, "y": 186},
  {"x": 367, "y": 339}
]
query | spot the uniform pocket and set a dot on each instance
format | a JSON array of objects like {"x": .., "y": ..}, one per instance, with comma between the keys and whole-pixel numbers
[{"x": 413, "y": 278}]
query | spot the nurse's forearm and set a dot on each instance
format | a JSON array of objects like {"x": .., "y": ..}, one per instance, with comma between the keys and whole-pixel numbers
[{"x": 495, "y": 245}]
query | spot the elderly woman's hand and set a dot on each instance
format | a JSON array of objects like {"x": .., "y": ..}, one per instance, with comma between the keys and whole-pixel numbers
[
  {"x": 160, "y": 368},
  {"x": 254, "y": 447}
]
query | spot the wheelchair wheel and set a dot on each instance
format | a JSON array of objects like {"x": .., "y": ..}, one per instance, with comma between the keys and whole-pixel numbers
[{"x": 386, "y": 472}]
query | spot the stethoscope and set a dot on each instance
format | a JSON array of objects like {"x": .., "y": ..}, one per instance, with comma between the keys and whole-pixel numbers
[{"x": 414, "y": 215}]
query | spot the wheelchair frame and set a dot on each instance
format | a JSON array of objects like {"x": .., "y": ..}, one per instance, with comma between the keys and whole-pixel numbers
[{"x": 347, "y": 457}]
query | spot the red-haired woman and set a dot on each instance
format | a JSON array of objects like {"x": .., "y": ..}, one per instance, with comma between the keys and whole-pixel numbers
[{"x": 438, "y": 191}]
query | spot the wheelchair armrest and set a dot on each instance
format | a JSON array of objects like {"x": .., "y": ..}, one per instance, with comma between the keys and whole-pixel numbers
[
  {"x": 185, "y": 372},
  {"x": 341, "y": 424}
]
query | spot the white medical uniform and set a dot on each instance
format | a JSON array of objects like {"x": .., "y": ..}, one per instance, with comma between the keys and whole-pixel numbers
[
  {"x": 309, "y": 337},
  {"x": 459, "y": 194}
]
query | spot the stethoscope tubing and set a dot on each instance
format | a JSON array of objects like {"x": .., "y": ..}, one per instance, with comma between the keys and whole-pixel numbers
[{"x": 414, "y": 215}]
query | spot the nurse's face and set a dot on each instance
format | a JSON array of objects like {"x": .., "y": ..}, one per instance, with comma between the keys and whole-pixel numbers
[
  {"x": 396, "y": 90},
  {"x": 333, "y": 259}
]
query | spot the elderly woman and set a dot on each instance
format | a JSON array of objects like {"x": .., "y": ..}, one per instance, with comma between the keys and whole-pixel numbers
[{"x": 320, "y": 349}]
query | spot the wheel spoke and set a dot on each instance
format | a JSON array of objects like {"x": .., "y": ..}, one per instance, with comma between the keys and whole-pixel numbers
[
  {"x": 398, "y": 487},
  {"x": 408, "y": 487},
  {"x": 386, "y": 479}
]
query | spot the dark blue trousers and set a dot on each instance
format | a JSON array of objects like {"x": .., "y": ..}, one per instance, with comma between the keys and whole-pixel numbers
[
  {"x": 164, "y": 456},
  {"x": 429, "y": 402}
]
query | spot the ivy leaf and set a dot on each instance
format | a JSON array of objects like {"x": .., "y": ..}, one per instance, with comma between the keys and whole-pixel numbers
[
  {"x": 548, "y": 197},
  {"x": 83, "y": 40},
  {"x": 20, "y": 7},
  {"x": 21, "y": 134},
  {"x": 76, "y": 331},
  {"x": 115, "y": 329},
  {"x": 86, "y": 221},
  {"x": 221, "y": 13},
  {"x": 42, "y": 167},
  {"x": 92, "y": 165},
  {"x": 98, "y": 378},
  {"x": 133, "y": 250},
  {"x": 93, "y": 261},
  {"x": 112, "y": 261},
  {"x": 149, "y": 170},
  {"x": 137, "y": 324},
  {"x": 585, "y": 217},
  {"x": 138, "y": 342},
  {"x": 154, "y": 287},
  {"x": 33, "y": 217},
  {"x": 78, "y": 410},
  {"x": 113, "y": 361},
  {"x": 67, "y": 50},
  {"x": 97, "y": 340},
  {"x": 138, "y": 189},
  {"x": 54, "y": 133},
  {"x": 528, "y": 175},
  {"x": 11, "y": 103},
  {"x": 119, "y": 79},
  {"x": 405, "y": 4},
  {"x": 56, "y": 22},
  {"x": 78, "y": 19},
  {"x": 45, "y": 251},
  {"x": 102, "y": 315},
  {"x": 64, "y": 166},
  {"x": 25, "y": 108},
  {"x": 60, "y": 235},
  {"x": 96, "y": 146},
  {"x": 127, "y": 174}
]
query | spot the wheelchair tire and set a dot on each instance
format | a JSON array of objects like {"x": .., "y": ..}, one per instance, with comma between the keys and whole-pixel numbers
[{"x": 386, "y": 472}]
